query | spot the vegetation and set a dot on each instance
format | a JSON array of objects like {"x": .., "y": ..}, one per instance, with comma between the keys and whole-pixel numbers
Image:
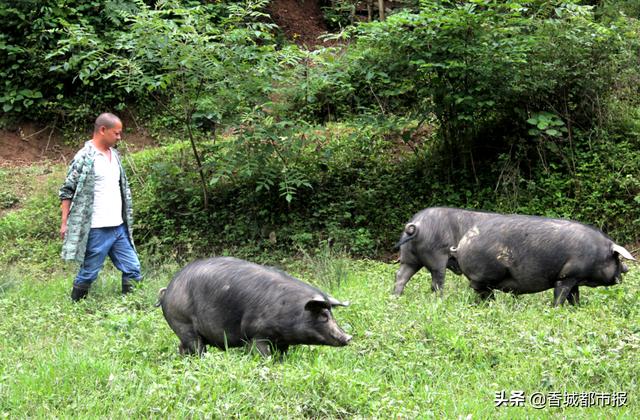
[
  {"x": 308, "y": 160},
  {"x": 519, "y": 106},
  {"x": 416, "y": 356}
]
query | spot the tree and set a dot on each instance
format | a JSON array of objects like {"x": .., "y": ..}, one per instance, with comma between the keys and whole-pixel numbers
[{"x": 198, "y": 65}]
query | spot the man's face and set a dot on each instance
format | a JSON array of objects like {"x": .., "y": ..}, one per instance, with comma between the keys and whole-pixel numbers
[{"x": 112, "y": 135}]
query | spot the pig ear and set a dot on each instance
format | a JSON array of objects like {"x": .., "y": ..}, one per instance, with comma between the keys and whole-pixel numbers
[
  {"x": 335, "y": 302},
  {"x": 622, "y": 252},
  {"x": 317, "y": 303}
]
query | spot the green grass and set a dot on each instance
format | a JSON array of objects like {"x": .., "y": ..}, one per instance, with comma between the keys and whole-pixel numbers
[
  {"x": 413, "y": 356},
  {"x": 29, "y": 229}
]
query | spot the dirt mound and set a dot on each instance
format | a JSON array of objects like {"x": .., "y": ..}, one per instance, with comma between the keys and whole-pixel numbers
[
  {"x": 301, "y": 20},
  {"x": 29, "y": 143}
]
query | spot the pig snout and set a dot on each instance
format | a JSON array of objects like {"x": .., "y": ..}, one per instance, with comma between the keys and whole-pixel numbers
[
  {"x": 623, "y": 268},
  {"x": 343, "y": 340},
  {"x": 337, "y": 337},
  {"x": 618, "y": 277}
]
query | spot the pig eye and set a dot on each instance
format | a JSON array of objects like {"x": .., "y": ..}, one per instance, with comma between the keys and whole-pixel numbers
[{"x": 323, "y": 316}]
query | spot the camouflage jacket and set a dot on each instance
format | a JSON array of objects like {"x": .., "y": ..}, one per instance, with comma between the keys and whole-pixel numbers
[{"x": 78, "y": 187}]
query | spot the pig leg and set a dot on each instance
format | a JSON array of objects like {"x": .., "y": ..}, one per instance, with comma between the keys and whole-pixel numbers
[
  {"x": 265, "y": 347},
  {"x": 282, "y": 348},
  {"x": 437, "y": 279},
  {"x": 262, "y": 345},
  {"x": 481, "y": 289},
  {"x": 404, "y": 273},
  {"x": 192, "y": 347},
  {"x": 574, "y": 296},
  {"x": 190, "y": 340},
  {"x": 562, "y": 290},
  {"x": 436, "y": 262}
]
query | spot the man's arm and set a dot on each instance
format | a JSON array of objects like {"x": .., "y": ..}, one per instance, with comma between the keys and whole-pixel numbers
[
  {"x": 68, "y": 190},
  {"x": 66, "y": 206}
]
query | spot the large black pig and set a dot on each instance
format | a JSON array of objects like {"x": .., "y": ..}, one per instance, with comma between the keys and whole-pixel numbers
[
  {"x": 529, "y": 254},
  {"x": 228, "y": 302},
  {"x": 426, "y": 241}
]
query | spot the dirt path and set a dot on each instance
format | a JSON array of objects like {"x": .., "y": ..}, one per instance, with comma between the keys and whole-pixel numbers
[{"x": 29, "y": 143}]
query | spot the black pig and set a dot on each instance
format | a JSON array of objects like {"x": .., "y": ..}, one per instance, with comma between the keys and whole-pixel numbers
[
  {"x": 426, "y": 241},
  {"x": 528, "y": 254},
  {"x": 228, "y": 302}
]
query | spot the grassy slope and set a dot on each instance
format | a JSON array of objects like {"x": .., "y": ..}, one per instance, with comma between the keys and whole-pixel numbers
[{"x": 411, "y": 356}]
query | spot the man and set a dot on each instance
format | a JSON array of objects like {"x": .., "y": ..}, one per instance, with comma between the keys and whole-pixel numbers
[{"x": 97, "y": 210}]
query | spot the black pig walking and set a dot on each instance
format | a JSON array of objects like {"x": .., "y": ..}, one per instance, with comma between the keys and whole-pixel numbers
[
  {"x": 228, "y": 302},
  {"x": 426, "y": 240},
  {"x": 529, "y": 254}
]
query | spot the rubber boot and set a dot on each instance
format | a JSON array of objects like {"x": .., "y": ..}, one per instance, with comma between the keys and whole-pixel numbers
[
  {"x": 78, "y": 293},
  {"x": 127, "y": 287}
]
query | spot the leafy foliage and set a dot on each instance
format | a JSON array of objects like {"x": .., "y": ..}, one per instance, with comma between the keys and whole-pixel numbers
[
  {"x": 358, "y": 192},
  {"x": 519, "y": 106},
  {"x": 85, "y": 54},
  {"x": 35, "y": 82},
  {"x": 479, "y": 67}
]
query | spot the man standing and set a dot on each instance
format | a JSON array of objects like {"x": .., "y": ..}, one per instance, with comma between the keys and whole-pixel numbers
[{"x": 97, "y": 210}]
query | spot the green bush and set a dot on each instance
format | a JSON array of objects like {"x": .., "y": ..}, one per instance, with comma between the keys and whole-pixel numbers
[
  {"x": 30, "y": 234},
  {"x": 361, "y": 190},
  {"x": 35, "y": 84},
  {"x": 8, "y": 199},
  {"x": 482, "y": 69},
  {"x": 61, "y": 60}
]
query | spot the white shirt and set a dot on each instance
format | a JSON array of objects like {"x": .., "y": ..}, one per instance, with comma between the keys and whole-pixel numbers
[{"x": 107, "y": 201}]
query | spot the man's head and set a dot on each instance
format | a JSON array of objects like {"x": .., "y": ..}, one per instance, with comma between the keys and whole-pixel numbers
[{"x": 107, "y": 130}]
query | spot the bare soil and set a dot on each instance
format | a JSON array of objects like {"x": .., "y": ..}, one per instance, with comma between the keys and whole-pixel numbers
[
  {"x": 30, "y": 143},
  {"x": 300, "y": 20}
]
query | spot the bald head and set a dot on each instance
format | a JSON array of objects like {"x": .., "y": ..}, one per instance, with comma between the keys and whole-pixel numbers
[
  {"x": 107, "y": 120},
  {"x": 106, "y": 132}
]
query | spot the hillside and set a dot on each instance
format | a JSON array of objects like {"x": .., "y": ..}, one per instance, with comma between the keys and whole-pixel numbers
[
  {"x": 301, "y": 22},
  {"x": 29, "y": 143},
  {"x": 489, "y": 112}
]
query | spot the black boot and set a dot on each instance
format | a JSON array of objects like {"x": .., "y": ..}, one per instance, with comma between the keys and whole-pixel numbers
[
  {"x": 127, "y": 287},
  {"x": 77, "y": 293}
]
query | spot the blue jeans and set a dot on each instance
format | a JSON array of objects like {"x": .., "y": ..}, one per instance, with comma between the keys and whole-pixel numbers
[{"x": 112, "y": 241}]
